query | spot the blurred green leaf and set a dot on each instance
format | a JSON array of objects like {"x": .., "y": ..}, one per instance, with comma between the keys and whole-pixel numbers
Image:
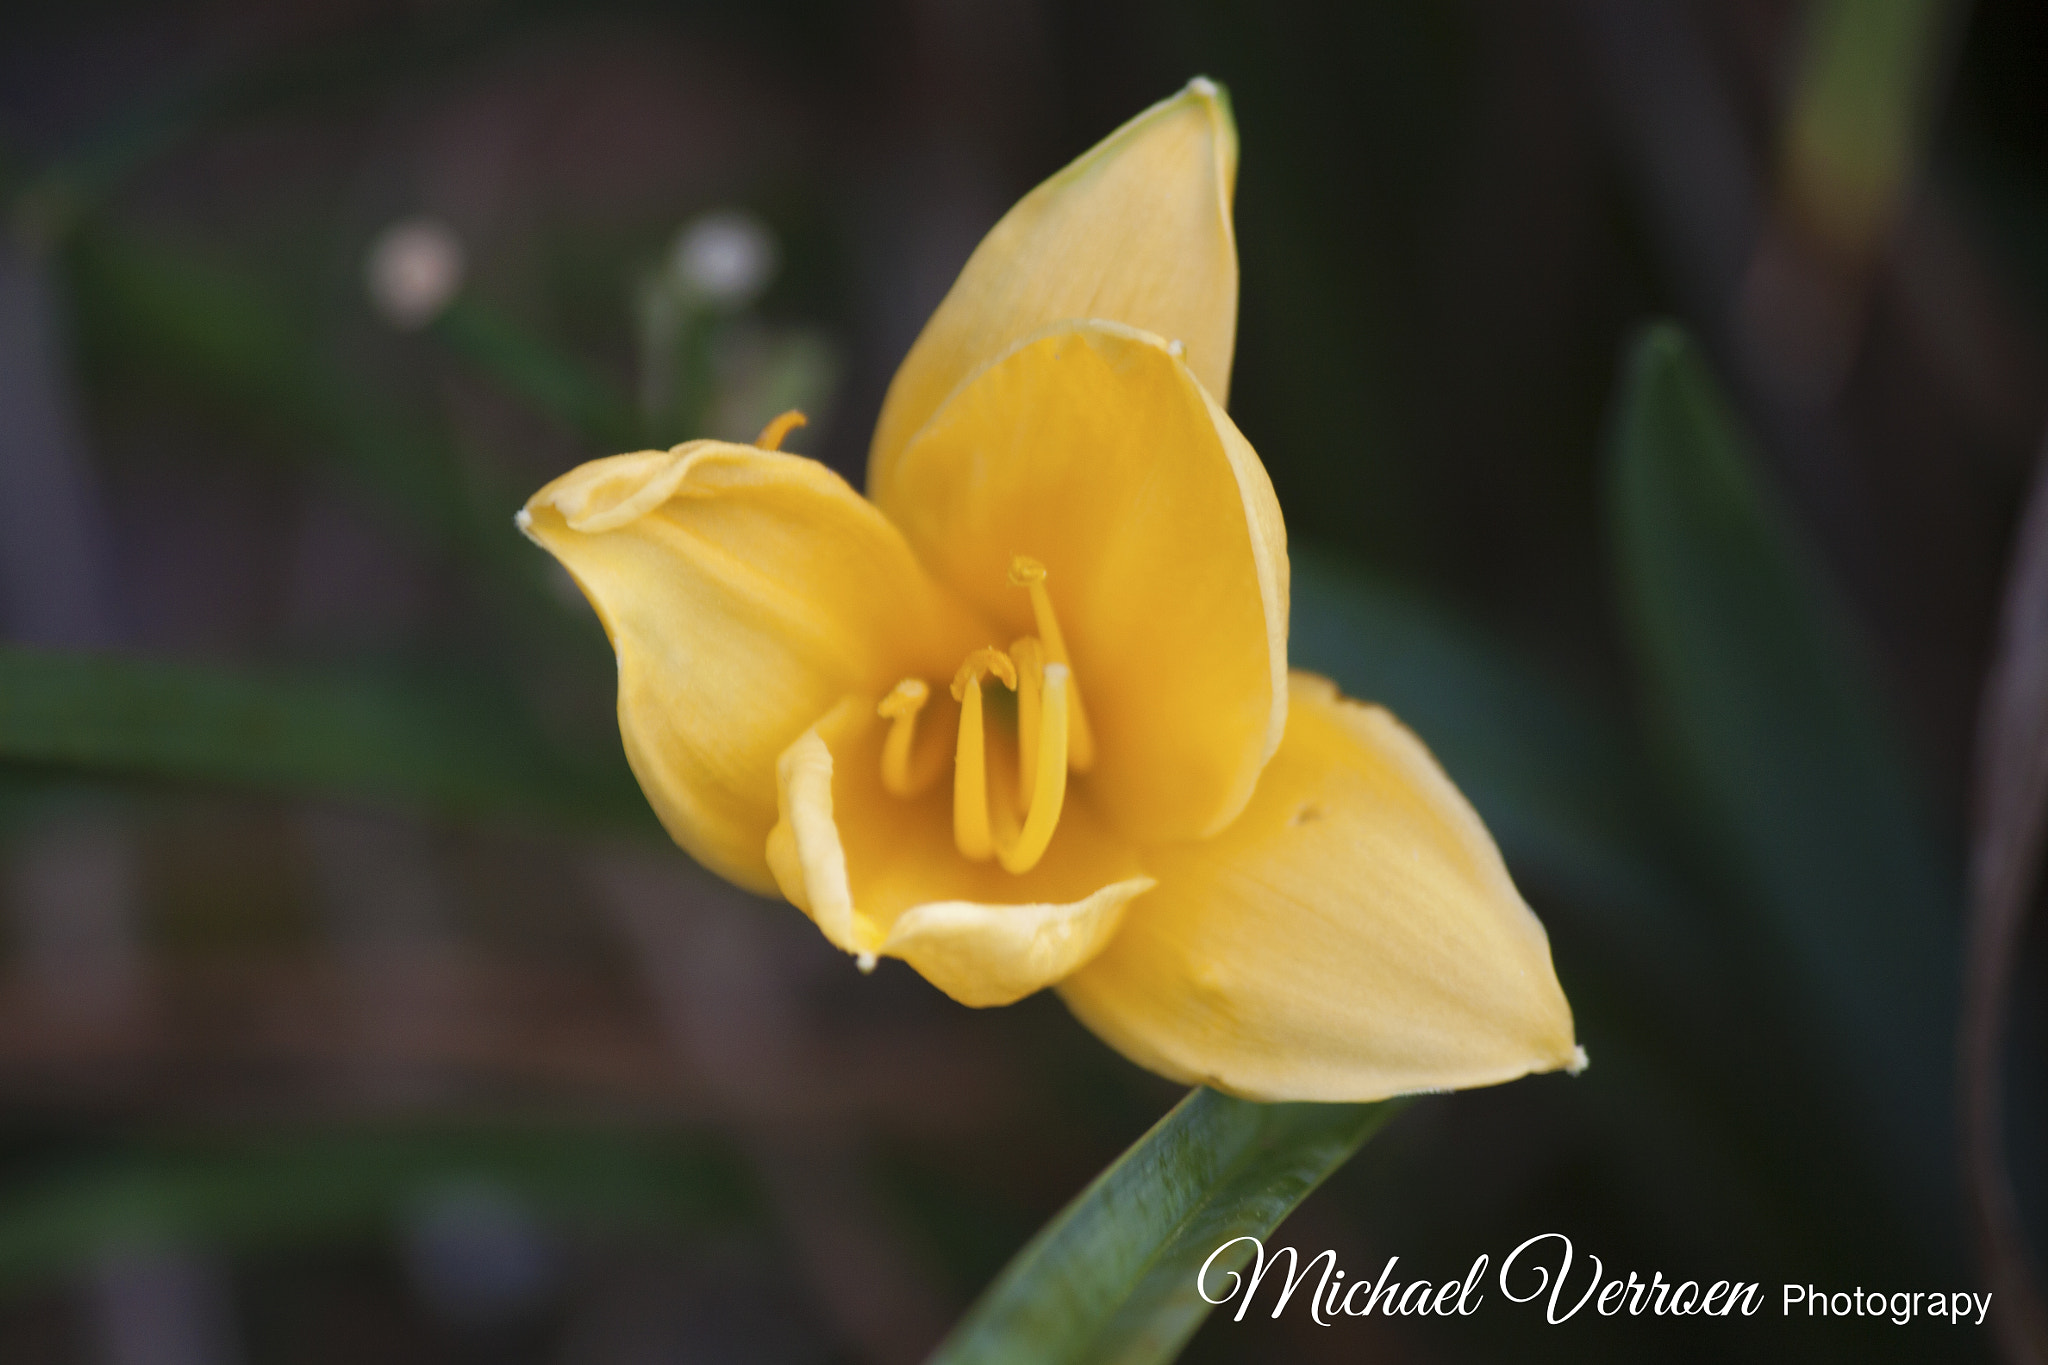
[
  {"x": 530, "y": 368},
  {"x": 1112, "y": 1278},
  {"x": 1763, "y": 702},
  {"x": 1581, "y": 824},
  {"x": 324, "y": 1185},
  {"x": 458, "y": 746},
  {"x": 221, "y": 339},
  {"x": 1550, "y": 774}
]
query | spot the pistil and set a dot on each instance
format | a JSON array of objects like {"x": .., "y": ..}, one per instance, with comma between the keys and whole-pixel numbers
[{"x": 1029, "y": 574}]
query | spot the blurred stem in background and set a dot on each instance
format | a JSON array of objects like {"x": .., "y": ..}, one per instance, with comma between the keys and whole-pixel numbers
[
  {"x": 717, "y": 266},
  {"x": 1849, "y": 152},
  {"x": 1862, "y": 101}
]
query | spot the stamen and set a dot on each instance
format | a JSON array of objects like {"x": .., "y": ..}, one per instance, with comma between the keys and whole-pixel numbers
[
  {"x": 1030, "y": 658},
  {"x": 772, "y": 434},
  {"x": 970, "y": 757},
  {"x": 987, "y": 659},
  {"x": 1049, "y": 792},
  {"x": 1028, "y": 573},
  {"x": 900, "y": 708}
]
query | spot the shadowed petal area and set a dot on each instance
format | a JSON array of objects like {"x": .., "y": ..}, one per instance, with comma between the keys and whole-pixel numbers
[
  {"x": 1092, "y": 449},
  {"x": 1136, "y": 231},
  {"x": 744, "y": 591},
  {"x": 1353, "y": 936},
  {"x": 880, "y": 875}
]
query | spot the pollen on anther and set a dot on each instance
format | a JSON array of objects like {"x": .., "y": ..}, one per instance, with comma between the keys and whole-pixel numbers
[
  {"x": 900, "y": 708},
  {"x": 907, "y": 698},
  {"x": 987, "y": 659}
]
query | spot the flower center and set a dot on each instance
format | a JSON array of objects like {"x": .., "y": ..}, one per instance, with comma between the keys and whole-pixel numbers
[{"x": 1053, "y": 738}]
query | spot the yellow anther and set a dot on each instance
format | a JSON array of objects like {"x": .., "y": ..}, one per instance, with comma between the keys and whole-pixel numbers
[
  {"x": 1028, "y": 573},
  {"x": 900, "y": 708},
  {"x": 906, "y": 698},
  {"x": 1048, "y": 793},
  {"x": 771, "y": 435},
  {"x": 987, "y": 659}
]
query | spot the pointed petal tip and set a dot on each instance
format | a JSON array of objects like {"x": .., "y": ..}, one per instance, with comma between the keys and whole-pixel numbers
[
  {"x": 1579, "y": 1062},
  {"x": 1353, "y": 936},
  {"x": 1135, "y": 230},
  {"x": 1216, "y": 95}
]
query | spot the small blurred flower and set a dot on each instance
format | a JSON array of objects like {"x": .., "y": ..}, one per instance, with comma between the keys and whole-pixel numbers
[
  {"x": 725, "y": 258},
  {"x": 703, "y": 360},
  {"x": 414, "y": 269}
]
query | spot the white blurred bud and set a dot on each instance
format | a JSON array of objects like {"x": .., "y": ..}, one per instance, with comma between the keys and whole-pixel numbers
[
  {"x": 414, "y": 269},
  {"x": 726, "y": 257}
]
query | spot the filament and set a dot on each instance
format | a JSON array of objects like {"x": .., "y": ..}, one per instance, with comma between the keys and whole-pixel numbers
[{"x": 1029, "y": 574}]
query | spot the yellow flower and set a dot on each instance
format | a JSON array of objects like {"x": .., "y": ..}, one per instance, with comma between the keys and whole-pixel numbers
[{"x": 1025, "y": 719}]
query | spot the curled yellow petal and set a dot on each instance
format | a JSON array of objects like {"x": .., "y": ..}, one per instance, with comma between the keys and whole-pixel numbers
[
  {"x": 880, "y": 874},
  {"x": 1135, "y": 231},
  {"x": 985, "y": 955},
  {"x": 1353, "y": 936},
  {"x": 1091, "y": 455},
  {"x": 744, "y": 592}
]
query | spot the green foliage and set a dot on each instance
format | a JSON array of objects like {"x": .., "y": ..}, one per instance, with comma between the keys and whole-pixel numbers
[
  {"x": 1552, "y": 775},
  {"x": 322, "y": 1185},
  {"x": 578, "y": 400},
  {"x": 218, "y": 338},
  {"x": 453, "y": 746},
  {"x": 1112, "y": 1278},
  {"x": 1764, "y": 707}
]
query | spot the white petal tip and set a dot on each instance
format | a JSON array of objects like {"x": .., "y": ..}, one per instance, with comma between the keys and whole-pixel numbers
[
  {"x": 1579, "y": 1062},
  {"x": 866, "y": 963},
  {"x": 1202, "y": 85},
  {"x": 523, "y": 519}
]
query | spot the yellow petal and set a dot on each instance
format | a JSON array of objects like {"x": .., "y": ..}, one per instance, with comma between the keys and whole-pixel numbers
[
  {"x": 1353, "y": 936},
  {"x": 1092, "y": 449},
  {"x": 880, "y": 875},
  {"x": 1136, "y": 231},
  {"x": 744, "y": 592}
]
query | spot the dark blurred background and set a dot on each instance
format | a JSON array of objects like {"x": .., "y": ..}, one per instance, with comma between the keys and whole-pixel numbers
[{"x": 352, "y": 1007}]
